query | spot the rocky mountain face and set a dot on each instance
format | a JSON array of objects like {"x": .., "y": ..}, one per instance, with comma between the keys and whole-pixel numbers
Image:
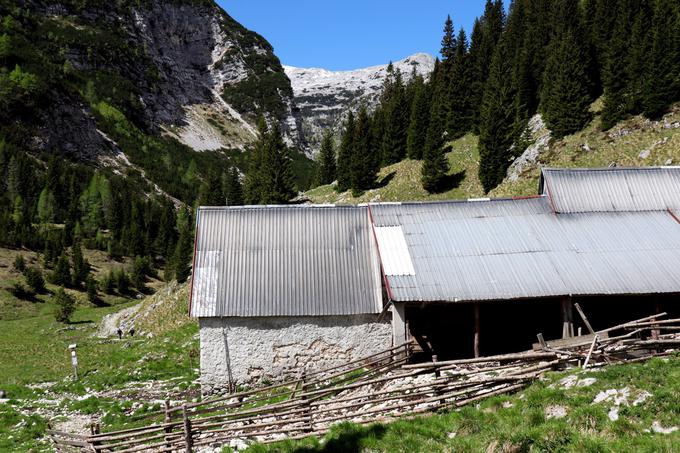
[
  {"x": 324, "y": 97},
  {"x": 182, "y": 69}
]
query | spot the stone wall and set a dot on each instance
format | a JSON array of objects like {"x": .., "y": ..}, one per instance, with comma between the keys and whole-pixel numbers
[{"x": 276, "y": 348}]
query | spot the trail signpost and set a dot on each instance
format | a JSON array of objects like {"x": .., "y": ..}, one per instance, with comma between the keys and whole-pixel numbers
[{"x": 74, "y": 359}]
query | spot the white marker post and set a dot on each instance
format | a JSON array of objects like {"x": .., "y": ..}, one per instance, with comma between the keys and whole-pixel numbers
[{"x": 74, "y": 360}]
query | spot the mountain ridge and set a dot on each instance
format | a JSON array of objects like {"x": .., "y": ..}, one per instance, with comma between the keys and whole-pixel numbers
[{"x": 324, "y": 97}]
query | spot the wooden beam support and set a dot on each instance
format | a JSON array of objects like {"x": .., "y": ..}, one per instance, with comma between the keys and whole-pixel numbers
[
  {"x": 567, "y": 310},
  {"x": 477, "y": 323},
  {"x": 585, "y": 320}
]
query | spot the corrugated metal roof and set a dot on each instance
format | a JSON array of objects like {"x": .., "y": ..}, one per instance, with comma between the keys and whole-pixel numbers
[
  {"x": 510, "y": 249},
  {"x": 612, "y": 189},
  {"x": 285, "y": 261}
]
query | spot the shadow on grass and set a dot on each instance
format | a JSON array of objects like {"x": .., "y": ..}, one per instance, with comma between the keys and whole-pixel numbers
[
  {"x": 386, "y": 180},
  {"x": 345, "y": 438},
  {"x": 450, "y": 182}
]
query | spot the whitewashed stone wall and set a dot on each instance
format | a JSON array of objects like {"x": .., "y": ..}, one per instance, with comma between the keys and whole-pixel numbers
[{"x": 272, "y": 349}]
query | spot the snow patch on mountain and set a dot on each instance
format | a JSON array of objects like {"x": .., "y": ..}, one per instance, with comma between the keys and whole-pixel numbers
[{"x": 324, "y": 97}]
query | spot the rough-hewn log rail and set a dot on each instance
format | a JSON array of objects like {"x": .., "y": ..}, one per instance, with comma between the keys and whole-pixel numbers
[{"x": 378, "y": 388}]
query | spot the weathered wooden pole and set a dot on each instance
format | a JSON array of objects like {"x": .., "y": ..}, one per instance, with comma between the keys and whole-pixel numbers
[
  {"x": 167, "y": 419},
  {"x": 584, "y": 318},
  {"x": 477, "y": 324},
  {"x": 566, "y": 308},
  {"x": 188, "y": 436}
]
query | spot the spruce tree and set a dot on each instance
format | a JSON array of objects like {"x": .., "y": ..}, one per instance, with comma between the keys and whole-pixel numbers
[
  {"x": 364, "y": 169},
  {"x": 565, "y": 95},
  {"x": 396, "y": 123},
  {"x": 61, "y": 276},
  {"x": 81, "y": 268},
  {"x": 448, "y": 48},
  {"x": 91, "y": 287},
  {"x": 277, "y": 170},
  {"x": 460, "y": 115},
  {"x": 662, "y": 83},
  {"x": 327, "y": 159},
  {"x": 346, "y": 154},
  {"x": 615, "y": 76},
  {"x": 253, "y": 187},
  {"x": 181, "y": 261},
  {"x": 419, "y": 120},
  {"x": 210, "y": 191},
  {"x": 497, "y": 120},
  {"x": 233, "y": 189},
  {"x": 65, "y": 306},
  {"x": 435, "y": 165}
]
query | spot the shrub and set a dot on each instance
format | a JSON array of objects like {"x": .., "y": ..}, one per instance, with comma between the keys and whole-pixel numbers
[
  {"x": 91, "y": 285},
  {"x": 34, "y": 279},
  {"x": 19, "y": 291},
  {"x": 66, "y": 305},
  {"x": 19, "y": 263},
  {"x": 62, "y": 272}
]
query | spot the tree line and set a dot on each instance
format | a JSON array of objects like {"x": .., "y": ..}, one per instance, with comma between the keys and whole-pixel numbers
[{"x": 550, "y": 57}]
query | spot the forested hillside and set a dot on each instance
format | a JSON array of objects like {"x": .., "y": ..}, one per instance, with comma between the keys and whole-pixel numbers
[
  {"x": 549, "y": 57},
  {"x": 117, "y": 118}
]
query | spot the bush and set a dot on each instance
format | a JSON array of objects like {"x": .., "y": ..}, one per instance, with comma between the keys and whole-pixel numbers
[
  {"x": 122, "y": 281},
  {"x": 19, "y": 263},
  {"x": 91, "y": 285},
  {"x": 19, "y": 291},
  {"x": 109, "y": 283},
  {"x": 34, "y": 279},
  {"x": 62, "y": 272},
  {"x": 66, "y": 305}
]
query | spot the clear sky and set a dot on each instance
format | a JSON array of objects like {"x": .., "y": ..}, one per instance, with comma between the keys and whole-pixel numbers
[{"x": 351, "y": 34}]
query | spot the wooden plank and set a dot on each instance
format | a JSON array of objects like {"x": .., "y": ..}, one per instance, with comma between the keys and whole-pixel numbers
[
  {"x": 590, "y": 351},
  {"x": 584, "y": 318},
  {"x": 567, "y": 343},
  {"x": 477, "y": 330},
  {"x": 492, "y": 358}
]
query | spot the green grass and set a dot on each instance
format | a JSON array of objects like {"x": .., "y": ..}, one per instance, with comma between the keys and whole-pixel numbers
[
  {"x": 401, "y": 181},
  {"x": 518, "y": 423}
]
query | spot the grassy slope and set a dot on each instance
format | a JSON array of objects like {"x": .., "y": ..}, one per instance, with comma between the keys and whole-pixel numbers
[
  {"x": 621, "y": 145},
  {"x": 34, "y": 349},
  {"x": 518, "y": 423}
]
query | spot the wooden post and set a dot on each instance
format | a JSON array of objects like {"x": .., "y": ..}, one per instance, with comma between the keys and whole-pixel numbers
[
  {"x": 188, "y": 435},
  {"x": 167, "y": 429},
  {"x": 566, "y": 309},
  {"x": 585, "y": 320},
  {"x": 476, "y": 342},
  {"x": 655, "y": 332},
  {"x": 541, "y": 341},
  {"x": 307, "y": 405},
  {"x": 590, "y": 352}
]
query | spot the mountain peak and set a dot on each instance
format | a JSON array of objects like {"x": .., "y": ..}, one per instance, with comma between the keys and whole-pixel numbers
[{"x": 325, "y": 96}]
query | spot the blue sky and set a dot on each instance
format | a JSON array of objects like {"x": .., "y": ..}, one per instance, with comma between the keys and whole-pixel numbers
[{"x": 350, "y": 34}]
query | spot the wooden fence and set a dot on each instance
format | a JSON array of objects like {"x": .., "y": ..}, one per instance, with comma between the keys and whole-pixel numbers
[{"x": 378, "y": 388}]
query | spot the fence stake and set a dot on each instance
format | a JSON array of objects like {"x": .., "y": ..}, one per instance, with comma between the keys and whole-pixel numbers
[
  {"x": 167, "y": 419},
  {"x": 188, "y": 437}
]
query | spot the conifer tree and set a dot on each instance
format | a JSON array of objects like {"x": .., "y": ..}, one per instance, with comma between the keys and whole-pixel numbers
[
  {"x": 497, "y": 120},
  {"x": 91, "y": 287},
  {"x": 662, "y": 84},
  {"x": 277, "y": 170},
  {"x": 181, "y": 261},
  {"x": 253, "y": 187},
  {"x": 615, "y": 76},
  {"x": 47, "y": 206},
  {"x": 65, "y": 306},
  {"x": 210, "y": 192},
  {"x": 81, "y": 268},
  {"x": 396, "y": 122},
  {"x": 61, "y": 276},
  {"x": 364, "y": 169},
  {"x": 448, "y": 49},
  {"x": 460, "y": 114},
  {"x": 435, "y": 165},
  {"x": 233, "y": 189},
  {"x": 565, "y": 96},
  {"x": 346, "y": 154},
  {"x": 419, "y": 120},
  {"x": 327, "y": 159}
]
